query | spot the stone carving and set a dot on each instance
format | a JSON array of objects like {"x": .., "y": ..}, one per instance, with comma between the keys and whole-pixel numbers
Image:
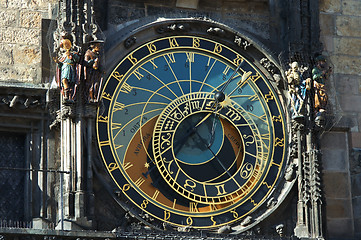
[
  {"x": 173, "y": 28},
  {"x": 130, "y": 42},
  {"x": 280, "y": 229},
  {"x": 242, "y": 42},
  {"x": 216, "y": 31}
]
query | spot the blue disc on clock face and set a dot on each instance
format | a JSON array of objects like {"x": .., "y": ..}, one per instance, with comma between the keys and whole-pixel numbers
[{"x": 178, "y": 152}]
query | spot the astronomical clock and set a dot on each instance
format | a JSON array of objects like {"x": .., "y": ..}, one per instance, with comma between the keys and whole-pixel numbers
[{"x": 192, "y": 128}]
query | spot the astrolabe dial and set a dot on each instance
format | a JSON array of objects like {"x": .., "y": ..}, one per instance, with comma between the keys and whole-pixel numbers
[{"x": 191, "y": 131}]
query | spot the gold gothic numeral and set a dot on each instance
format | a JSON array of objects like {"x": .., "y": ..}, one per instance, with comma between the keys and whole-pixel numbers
[
  {"x": 277, "y": 118},
  {"x": 217, "y": 48},
  {"x": 173, "y": 43},
  {"x": 190, "y": 184},
  {"x": 144, "y": 204},
  {"x": 235, "y": 213},
  {"x": 213, "y": 221},
  {"x": 238, "y": 60},
  {"x": 279, "y": 142},
  {"x": 107, "y": 96},
  {"x": 126, "y": 187},
  {"x": 269, "y": 96},
  {"x": 196, "y": 42},
  {"x": 166, "y": 215},
  {"x": 151, "y": 47},
  {"x": 132, "y": 59},
  {"x": 117, "y": 76},
  {"x": 189, "y": 221},
  {"x": 112, "y": 167},
  {"x": 103, "y": 119}
]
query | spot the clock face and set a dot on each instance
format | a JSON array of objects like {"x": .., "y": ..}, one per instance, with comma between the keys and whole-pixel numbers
[{"x": 177, "y": 150}]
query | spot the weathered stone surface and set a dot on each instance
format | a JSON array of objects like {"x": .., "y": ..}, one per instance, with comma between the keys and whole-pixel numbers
[
  {"x": 338, "y": 208},
  {"x": 20, "y": 36},
  {"x": 357, "y": 212},
  {"x": 333, "y": 140},
  {"x": 347, "y": 84},
  {"x": 356, "y": 187},
  {"x": 340, "y": 228},
  {"x": 6, "y": 54},
  {"x": 327, "y": 24},
  {"x": 30, "y": 19},
  {"x": 18, "y": 74},
  {"x": 27, "y": 54},
  {"x": 349, "y": 46},
  {"x": 330, "y": 6},
  {"x": 334, "y": 160},
  {"x": 346, "y": 64},
  {"x": 348, "y": 103},
  {"x": 348, "y": 26},
  {"x": 336, "y": 186},
  {"x": 8, "y": 18},
  {"x": 356, "y": 140},
  {"x": 351, "y": 7}
]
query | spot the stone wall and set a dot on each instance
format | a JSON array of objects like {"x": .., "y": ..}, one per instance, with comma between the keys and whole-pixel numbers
[
  {"x": 20, "y": 39},
  {"x": 251, "y": 16},
  {"x": 340, "y": 22}
]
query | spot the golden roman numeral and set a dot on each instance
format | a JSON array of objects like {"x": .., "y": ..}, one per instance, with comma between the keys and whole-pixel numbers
[
  {"x": 139, "y": 181},
  {"x": 155, "y": 195},
  {"x": 190, "y": 57},
  {"x": 118, "y": 106},
  {"x": 126, "y": 88},
  {"x": 152, "y": 62},
  {"x": 127, "y": 165},
  {"x": 171, "y": 57},
  {"x": 253, "y": 98},
  {"x": 225, "y": 71},
  {"x": 193, "y": 207},
  {"x": 137, "y": 74},
  {"x": 104, "y": 143},
  {"x": 220, "y": 190}
]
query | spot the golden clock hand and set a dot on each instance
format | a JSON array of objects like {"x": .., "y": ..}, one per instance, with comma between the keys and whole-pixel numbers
[{"x": 243, "y": 79}]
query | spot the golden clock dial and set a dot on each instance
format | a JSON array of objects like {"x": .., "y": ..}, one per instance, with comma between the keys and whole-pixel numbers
[{"x": 175, "y": 150}]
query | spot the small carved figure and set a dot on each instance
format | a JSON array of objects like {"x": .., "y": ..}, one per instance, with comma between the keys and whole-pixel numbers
[
  {"x": 320, "y": 74},
  {"x": 280, "y": 229},
  {"x": 67, "y": 70},
  {"x": 93, "y": 71},
  {"x": 297, "y": 87}
]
